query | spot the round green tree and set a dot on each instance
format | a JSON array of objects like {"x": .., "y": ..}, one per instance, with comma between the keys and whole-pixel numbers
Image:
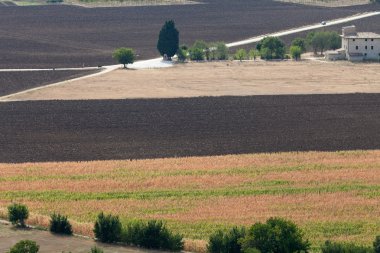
[
  {"x": 124, "y": 56},
  {"x": 168, "y": 40}
]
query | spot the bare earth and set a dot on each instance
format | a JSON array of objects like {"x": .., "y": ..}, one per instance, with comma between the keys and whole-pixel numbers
[
  {"x": 50, "y": 243},
  {"x": 221, "y": 79}
]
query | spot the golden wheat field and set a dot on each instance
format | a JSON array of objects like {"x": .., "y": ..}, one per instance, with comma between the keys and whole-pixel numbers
[{"x": 330, "y": 195}]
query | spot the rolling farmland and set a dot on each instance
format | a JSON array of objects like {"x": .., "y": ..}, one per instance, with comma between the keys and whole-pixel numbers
[
  {"x": 331, "y": 195},
  {"x": 68, "y": 36}
]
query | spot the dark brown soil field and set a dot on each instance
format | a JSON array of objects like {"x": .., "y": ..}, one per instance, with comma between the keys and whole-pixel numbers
[
  {"x": 60, "y": 36},
  {"x": 11, "y": 82},
  {"x": 134, "y": 129}
]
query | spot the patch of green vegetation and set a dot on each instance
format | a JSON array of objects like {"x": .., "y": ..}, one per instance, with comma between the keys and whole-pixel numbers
[{"x": 186, "y": 193}]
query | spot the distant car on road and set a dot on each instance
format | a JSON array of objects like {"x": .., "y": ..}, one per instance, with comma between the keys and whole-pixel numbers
[{"x": 323, "y": 23}]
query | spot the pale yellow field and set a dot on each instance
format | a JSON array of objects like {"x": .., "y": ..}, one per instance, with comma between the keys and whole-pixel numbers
[{"x": 219, "y": 79}]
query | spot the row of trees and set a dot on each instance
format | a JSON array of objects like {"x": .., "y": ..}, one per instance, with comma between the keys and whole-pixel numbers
[
  {"x": 268, "y": 48},
  {"x": 276, "y": 235}
]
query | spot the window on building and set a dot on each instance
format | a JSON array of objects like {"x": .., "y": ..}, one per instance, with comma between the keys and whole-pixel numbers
[
  {"x": 365, "y": 54},
  {"x": 353, "y": 39},
  {"x": 365, "y": 39},
  {"x": 366, "y": 47},
  {"x": 357, "y": 47},
  {"x": 371, "y": 39},
  {"x": 371, "y": 47}
]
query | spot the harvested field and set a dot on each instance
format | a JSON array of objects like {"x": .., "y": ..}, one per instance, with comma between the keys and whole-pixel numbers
[
  {"x": 11, "y": 82},
  {"x": 331, "y": 195},
  {"x": 220, "y": 79},
  {"x": 138, "y": 128},
  {"x": 59, "y": 36}
]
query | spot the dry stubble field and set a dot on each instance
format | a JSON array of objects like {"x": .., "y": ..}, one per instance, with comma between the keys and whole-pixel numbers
[
  {"x": 220, "y": 79},
  {"x": 331, "y": 195}
]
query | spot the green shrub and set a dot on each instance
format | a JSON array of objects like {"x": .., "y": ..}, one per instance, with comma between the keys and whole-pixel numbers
[
  {"x": 241, "y": 54},
  {"x": 376, "y": 244},
  {"x": 341, "y": 247},
  {"x": 221, "y": 51},
  {"x": 226, "y": 242},
  {"x": 25, "y": 246},
  {"x": 271, "y": 48},
  {"x": 96, "y": 250},
  {"x": 296, "y": 52},
  {"x": 60, "y": 225},
  {"x": 182, "y": 55},
  {"x": 276, "y": 235},
  {"x": 17, "y": 214},
  {"x": 107, "y": 228},
  {"x": 152, "y": 235},
  {"x": 197, "y": 54}
]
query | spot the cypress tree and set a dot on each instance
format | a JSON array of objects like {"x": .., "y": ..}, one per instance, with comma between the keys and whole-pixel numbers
[{"x": 168, "y": 40}]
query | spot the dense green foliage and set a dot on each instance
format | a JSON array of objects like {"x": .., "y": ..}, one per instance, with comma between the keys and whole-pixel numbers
[
  {"x": 152, "y": 235},
  {"x": 221, "y": 51},
  {"x": 272, "y": 48},
  {"x": 59, "y": 224},
  {"x": 321, "y": 41},
  {"x": 197, "y": 54},
  {"x": 276, "y": 235},
  {"x": 182, "y": 55},
  {"x": 376, "y": 244},
  {"x": 301, "y": 43},
  {"x": 241, "y": 54},
  {"x": 107, "y": 228},
  {"x": 168, "y": 39},
  {"x": 226, "y": 242},
  {"x": 342, "y": 247},
  {"x": 25, "y": 246},
  {"x": 17, "y": 214},
  {"x": 124, "y": 56},
  {"x": 253, "y": 54},
  {"x": 295, "y": 52}
]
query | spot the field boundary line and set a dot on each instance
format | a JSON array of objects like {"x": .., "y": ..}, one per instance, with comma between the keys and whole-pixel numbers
[{"x": 140, "y": 64}]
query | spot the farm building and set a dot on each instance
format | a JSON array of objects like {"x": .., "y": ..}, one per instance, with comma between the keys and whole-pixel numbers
[{"x": 356, "y": 46}]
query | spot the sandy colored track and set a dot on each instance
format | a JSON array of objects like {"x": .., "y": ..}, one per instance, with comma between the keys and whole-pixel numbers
[{"x": 218, "y": 79}]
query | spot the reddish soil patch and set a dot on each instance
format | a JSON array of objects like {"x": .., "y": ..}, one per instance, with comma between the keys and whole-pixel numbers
[{"x": 134, "y": 129}]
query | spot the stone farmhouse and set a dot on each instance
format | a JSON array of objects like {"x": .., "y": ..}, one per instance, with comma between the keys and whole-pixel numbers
[{"x": 356, "y": 46}]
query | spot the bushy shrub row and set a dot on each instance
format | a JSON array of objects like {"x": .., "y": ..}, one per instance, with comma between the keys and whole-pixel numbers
[
  {"x": 152, "y": 234},
  {"x": 276, "y": 235}
]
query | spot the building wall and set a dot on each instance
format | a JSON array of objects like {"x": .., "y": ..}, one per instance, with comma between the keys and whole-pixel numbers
[{"x": 370, "y": 48}]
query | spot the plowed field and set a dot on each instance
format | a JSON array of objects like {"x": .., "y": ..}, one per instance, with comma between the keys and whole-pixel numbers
[{"x": 131, "y": 129}]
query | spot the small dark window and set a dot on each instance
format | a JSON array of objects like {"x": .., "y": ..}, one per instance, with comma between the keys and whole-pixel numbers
[
  {"x": 353, "y": 39},
  {"x": 371, "y": 39},
  {"x": 365, "y": 54},
  {"x": 366, "y": 47},
  {"x": 371, "y": 47},
  {"x": 357, "y": 47},
  {"x": 365, "y": 39}
]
